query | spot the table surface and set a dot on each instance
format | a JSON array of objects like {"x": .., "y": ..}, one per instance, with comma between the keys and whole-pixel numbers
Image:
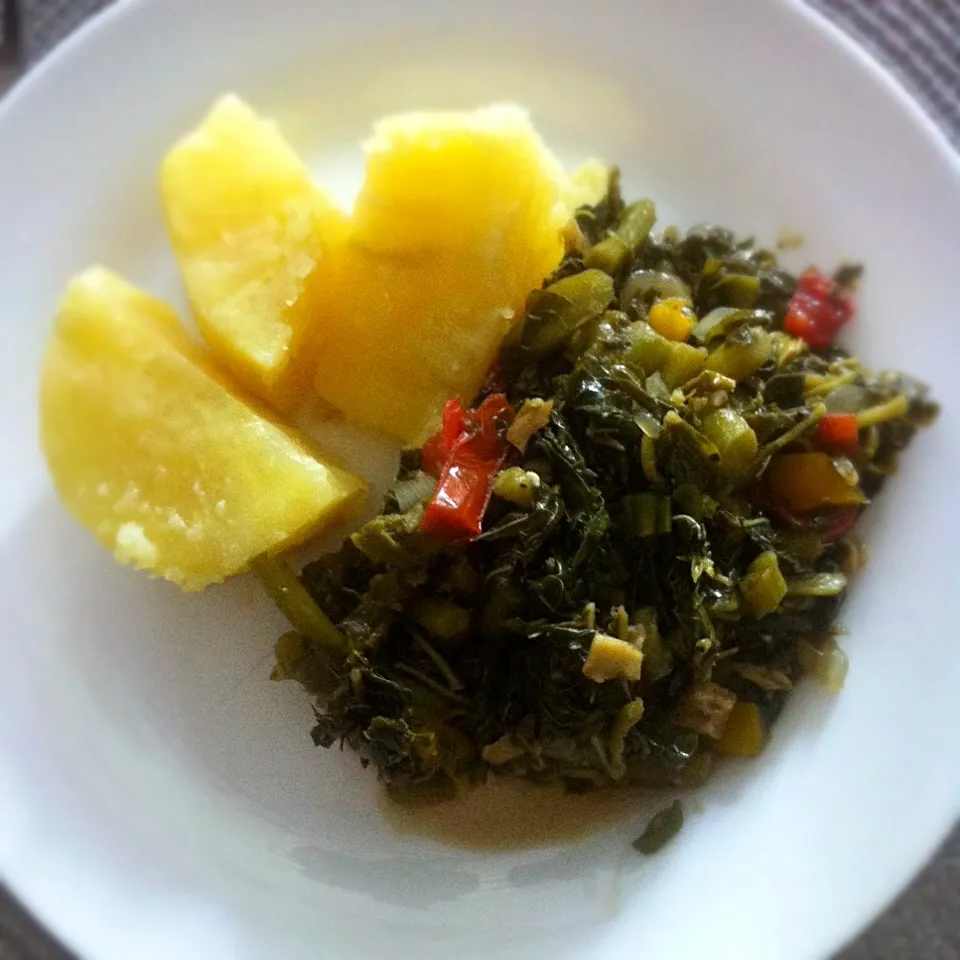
[{"x": 919, "y": 41}]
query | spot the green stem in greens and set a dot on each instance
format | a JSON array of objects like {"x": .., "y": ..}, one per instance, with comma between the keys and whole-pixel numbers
[
  {"x": 817, "y": 585},
  {"x": 893, "y": 409},
  {"x": 785, "y": 439},
  {"x": 825, "y": 387},
  {"x": 431, "y": 684},
  {"x": 648, "y": 461},
  {"x": 285, "y": 589},
  {"x": 610, "y": 254},
  {"x": 453, "y": 681}
]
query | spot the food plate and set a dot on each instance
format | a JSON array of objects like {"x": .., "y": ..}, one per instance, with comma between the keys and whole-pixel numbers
[{"x": 159, "y": 798}]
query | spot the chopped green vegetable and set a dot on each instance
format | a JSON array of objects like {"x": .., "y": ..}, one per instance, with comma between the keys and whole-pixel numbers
[
  {"x": 643, "y": 511},
  {"x": 629, "y": 716},
  {"x": 645, "y": 287},
  {"x": 767, "y": 679},
  {"x": 442, "y": 618},
  {"x": 657, "y": 552},
  {"x": 817, "y": 585},
  {"x": 894, "y": 409},
  {"x": 825, "y": 662},
  {"x": 386, "y": 538},
  {"x": 295, "y": 603},
  {"x": 734, "y": 438},
  {"x": 763, "y": 586},
  {"x": 721, "y": 322},
  {"x": 661, "y": 829},
  {"x": 612, "y": 253},
  {"x": 564, "y": 307},
  {"x": 742, "y": 358}
]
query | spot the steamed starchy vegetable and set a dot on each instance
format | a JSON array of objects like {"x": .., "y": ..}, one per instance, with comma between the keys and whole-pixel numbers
[
  {"x": 585, "y": 187},
  {"x": 254, "y": 238},
  {"x": 157, "y": 452},
  {"x": 386, "y": 314},
  {"x": 614, "y": 562},
  {"x": 460, "y": 215}
]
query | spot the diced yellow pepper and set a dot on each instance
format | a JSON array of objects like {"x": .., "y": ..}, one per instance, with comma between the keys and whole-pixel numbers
[
  {"x": 809, "y": 481},
  {"x": 744, "y": 735},
  {"x": 672, "y": 318}
]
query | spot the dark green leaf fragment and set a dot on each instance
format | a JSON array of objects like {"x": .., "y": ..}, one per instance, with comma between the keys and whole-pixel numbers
[
  {"x": 661, "y": 829},
  {"x": 684, "y": 454}
]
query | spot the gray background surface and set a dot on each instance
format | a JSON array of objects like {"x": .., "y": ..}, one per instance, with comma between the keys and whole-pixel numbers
[{"x": 919, "y": 41}]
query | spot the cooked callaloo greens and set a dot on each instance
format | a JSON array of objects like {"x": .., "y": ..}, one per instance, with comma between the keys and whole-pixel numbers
[{"x": 615, "y": 565}]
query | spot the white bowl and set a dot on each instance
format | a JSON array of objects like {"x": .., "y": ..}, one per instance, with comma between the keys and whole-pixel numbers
[{"x": 159, "y": 798}]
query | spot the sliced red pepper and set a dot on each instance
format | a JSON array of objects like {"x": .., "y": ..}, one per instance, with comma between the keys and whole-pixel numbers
[
  {"x": 814, "y": 283},
  {"x": 465, "y": 484},
  {"x": 486, "y": 440},
  {"x": 439, "y": 447},
  {"x": 817, "y": 310},
  {"x": 432, "y": 455},
  {"x": 454, "y": 419},
  {"x": 839, "y": 433},
  {"x": 456, "y": 510},
  {"x": 840, "y": 524}
]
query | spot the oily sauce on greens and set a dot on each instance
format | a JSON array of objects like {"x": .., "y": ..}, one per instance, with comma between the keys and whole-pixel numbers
[{"x": 664, "y": 550}]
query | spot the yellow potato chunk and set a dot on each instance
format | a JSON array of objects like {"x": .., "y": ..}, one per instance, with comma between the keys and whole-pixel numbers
[
  {"x": 152, "y": 449},
  {"x": 459, "y": 218},
  {"x": 586, "y": 186},
  {"x": 252, "y": 235}
]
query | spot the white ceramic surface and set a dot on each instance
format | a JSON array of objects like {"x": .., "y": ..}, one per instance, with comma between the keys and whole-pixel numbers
[{"x": 160, "y": 799}]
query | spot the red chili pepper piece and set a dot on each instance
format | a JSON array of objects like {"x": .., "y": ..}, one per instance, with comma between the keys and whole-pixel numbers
[
  {"x": 838, "y": 433},
  {"x": 840, "y": 524},
  {"x": 461, "y": 498},
  {"x": 438, "y": 448},
  {"x": 813, "y": 282},
  {"x": 432, "y": 455},
  {"x": 817, "y": 310},
  {"x": 472, "y": 460},
  {"x": 454, "y": 417},
  {"x": 485, "y": 439}
]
